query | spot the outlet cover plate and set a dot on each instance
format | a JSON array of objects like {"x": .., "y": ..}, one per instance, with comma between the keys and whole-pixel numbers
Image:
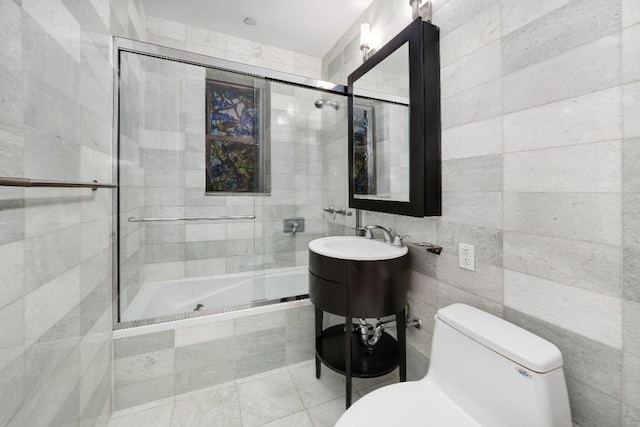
[{"x": 466, "y": 256}]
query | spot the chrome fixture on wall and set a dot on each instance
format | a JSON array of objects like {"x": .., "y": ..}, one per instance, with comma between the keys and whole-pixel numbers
[
  {"x": 26, "y": 182},
  {"x": 430, "y": 247},
  {"x": 293, "y": 225},
  {"x": 194, "y": 218},
  {"x": 365, "y": 41},
  {"x": 335, "y": 211},
  {"x": 320, "y": 103}
]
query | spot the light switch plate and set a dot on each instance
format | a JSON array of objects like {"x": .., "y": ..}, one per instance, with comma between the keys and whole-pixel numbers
[{"x": 466, "y": 256}]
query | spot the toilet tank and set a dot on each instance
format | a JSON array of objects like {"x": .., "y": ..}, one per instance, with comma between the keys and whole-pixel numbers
[{"x": 497, "y": 372}]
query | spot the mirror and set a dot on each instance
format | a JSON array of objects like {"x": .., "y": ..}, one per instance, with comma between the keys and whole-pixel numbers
[
  {"x": 381, "y": 130},
  {"x": 394, "y": 126}
]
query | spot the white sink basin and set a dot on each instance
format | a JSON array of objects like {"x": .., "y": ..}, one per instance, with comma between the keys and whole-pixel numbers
[{"x": 355, "y": 248}]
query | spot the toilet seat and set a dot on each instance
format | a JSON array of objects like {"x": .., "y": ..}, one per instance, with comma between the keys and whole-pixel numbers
[{"x": 414, "y": 403}]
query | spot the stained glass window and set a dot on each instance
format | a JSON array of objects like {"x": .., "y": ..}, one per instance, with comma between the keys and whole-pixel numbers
[
  {"x": 233, "y": 145},
  {"x": 364, "y": 155}
]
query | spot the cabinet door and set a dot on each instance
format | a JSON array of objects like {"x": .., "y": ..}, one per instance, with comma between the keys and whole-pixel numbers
[
  {"x": 378, "y": 288},
  {"x": 328, "y": 296}
]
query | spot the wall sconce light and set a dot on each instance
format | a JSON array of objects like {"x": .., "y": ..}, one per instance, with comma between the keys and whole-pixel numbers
[{"x": 365, "y": 40}]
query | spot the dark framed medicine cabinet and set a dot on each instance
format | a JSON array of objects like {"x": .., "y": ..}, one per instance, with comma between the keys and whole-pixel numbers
[{"x": 394, "y": 126}]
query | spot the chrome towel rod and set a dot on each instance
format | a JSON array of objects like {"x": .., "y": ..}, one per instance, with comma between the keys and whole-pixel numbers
[
  {"x": 26, "y": 182},
  {"x": 192, "y": 218}
]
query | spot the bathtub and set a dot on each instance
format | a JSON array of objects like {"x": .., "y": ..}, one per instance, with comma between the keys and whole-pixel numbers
[{"x": 215, "y": 293}]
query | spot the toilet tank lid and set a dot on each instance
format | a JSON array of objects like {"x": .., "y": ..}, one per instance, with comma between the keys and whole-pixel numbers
[{"x": 511, "y": 341}]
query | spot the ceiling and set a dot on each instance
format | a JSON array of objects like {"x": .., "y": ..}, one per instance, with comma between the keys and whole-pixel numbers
[{"x": 311, "y": 27}]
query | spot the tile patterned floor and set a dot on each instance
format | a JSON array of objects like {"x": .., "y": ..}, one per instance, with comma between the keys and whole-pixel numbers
[{"x": 290, "y": 396}]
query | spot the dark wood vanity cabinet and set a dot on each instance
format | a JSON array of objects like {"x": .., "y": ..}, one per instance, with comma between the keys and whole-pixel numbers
[{"x": 358, "y": 289}]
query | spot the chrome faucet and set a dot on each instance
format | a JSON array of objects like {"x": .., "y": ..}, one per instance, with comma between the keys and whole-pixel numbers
[
  {"x": 386, "y": 232},
  {"x": 397, "y": 241}
]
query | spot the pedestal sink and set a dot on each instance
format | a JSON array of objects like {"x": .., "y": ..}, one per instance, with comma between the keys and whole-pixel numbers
[{"x": 357, "y": 277}]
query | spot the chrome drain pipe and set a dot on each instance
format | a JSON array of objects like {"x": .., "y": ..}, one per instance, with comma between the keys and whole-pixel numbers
[
  {"x": 370, "y": 335},
  {"x": 416, "y": 323}
]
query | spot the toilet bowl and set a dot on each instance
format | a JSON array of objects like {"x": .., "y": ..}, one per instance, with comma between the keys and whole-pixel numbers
[{"x": 484, "y": 371}]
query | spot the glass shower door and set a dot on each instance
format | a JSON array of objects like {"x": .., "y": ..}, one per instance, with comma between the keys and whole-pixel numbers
[
  {"x": 224, "y": 178},
  {"x": 303, "y": 135},
  {"x": 191, "y": 164}
]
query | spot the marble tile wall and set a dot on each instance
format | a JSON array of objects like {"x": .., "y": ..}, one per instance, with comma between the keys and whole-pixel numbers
[
  {"x": 164, "y": 364},
  {"x": 630, "y": 80},
  {"x": 333, "y": 186},
  {"x": 199, "y": 40},
  {"x": 540, "y": 151},
  {"x": 55, "y": 244},
  {"x": 188, "y": 250}
]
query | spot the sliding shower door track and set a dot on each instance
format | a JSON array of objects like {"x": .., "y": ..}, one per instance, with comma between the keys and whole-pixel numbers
[
  {"x": 203, "y": 311},
  {"x": 121, "y": 44}
]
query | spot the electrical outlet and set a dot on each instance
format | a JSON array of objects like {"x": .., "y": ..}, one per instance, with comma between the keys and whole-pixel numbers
[{"x": 466, "y": 256}]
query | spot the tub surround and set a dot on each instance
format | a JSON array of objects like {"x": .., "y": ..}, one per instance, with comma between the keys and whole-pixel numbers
[
  {"x": 171, "y": 359},
  {"x": 164, "y": 360}
]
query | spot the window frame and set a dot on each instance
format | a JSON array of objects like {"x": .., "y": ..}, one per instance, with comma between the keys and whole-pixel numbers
[{"x": 259, "y": 140}]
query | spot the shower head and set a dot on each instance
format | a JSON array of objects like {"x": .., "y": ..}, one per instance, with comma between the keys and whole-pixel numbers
[{"x": 320, "y": 103}]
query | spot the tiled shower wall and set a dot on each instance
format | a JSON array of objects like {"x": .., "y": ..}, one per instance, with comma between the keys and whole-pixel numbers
[
  {"x": 175, "y": 179},
  {"x": 55, "y": 244},
  {"x": 330, "y": 135},
  {"x": 334, "y": 168},
  {"x": 540, "y": 107}
]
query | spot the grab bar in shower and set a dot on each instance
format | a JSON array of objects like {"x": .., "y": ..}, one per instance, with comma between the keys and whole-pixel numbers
[
  {"x": 192, "y": 218},
  {"x": 26, "y": 182}
]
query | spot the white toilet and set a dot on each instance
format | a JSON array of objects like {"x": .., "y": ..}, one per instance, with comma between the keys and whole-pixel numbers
[{"x": 484, "y": 371}]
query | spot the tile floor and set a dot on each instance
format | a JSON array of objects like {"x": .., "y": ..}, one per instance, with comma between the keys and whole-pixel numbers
[{"x": 290, "y": 396}]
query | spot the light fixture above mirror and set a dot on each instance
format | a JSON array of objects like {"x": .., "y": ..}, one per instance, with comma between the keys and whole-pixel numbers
[{"x": 365, "y": 41}]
